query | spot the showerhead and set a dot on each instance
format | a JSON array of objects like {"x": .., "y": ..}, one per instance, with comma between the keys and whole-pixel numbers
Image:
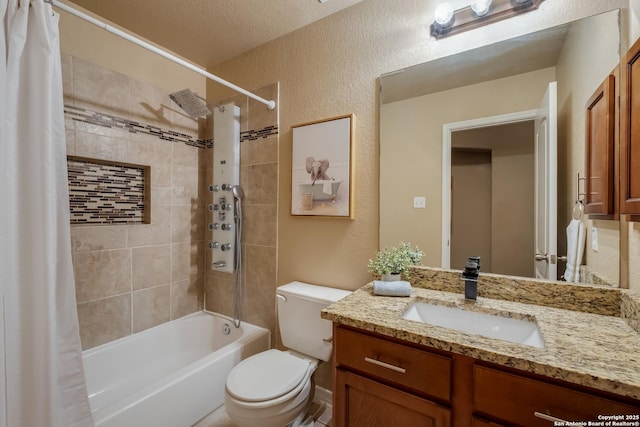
[
  {"x": 237, "y": 192},
  {"x": 190, "y": 103}
]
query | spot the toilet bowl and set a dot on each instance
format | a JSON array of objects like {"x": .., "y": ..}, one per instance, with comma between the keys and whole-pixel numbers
[
  {"x": 270, "y": 389},
  {"x": 275, "y": 388}
]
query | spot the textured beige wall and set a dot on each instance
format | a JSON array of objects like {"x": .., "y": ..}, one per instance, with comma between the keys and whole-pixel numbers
[
  {"x": 578, "y": 77},
  {"x": 330, "y": 68},
  {"x": 327, "y": 69},
  {"x": 412, "y": 135}
]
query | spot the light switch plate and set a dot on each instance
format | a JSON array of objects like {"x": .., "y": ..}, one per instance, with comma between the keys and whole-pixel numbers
[
  {"x": 594, "y": 239},
  {"x": 419, "y": 202}
]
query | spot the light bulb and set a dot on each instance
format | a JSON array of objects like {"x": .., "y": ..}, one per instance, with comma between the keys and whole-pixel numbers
[
  {"x": 481, "y": 7},
  {"x": 444, "y": 14}
]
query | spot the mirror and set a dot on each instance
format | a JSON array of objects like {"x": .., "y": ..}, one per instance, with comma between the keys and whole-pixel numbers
[{"x": 507, "y": 78}]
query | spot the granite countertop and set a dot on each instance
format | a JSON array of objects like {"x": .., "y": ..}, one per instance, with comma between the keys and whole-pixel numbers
[{"x": 586, "y": 347}]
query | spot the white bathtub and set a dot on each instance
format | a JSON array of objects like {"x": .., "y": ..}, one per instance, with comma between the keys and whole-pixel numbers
[
  {"x": 317, "y": 189},
  {"x": 171, "y": 375}
]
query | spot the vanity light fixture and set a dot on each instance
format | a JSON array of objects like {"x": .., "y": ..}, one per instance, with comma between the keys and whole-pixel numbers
[
  {"x": 444, "y": 15},
  {"x": 448, "y": 22},
  {"x": 481, "y": 7}
]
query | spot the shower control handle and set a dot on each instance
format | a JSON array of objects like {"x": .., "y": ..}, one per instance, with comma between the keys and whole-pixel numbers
[
  {"x": 214, "y": 245},
  {"x": 213, "y": 188},
  {"x": 226, "y": 247},
  {"x": 226, "y": 207},
  {"x": 226, "y": 227},
  {"x": 227, "y": 187}
]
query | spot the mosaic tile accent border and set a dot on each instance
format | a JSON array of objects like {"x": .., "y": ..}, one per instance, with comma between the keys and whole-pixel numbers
[
  {"x": 103, "y": 192},
  {"x": 110, "y": 121},
  {"x": 254, "y": 134},
  {"x": 107, "y": 120}
]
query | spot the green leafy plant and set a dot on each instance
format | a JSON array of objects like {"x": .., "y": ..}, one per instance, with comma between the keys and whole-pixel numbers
[{"x": 395, "y": 260}]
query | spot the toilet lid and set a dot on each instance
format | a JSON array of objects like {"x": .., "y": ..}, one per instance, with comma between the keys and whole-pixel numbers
[{"x": 266, "y": 376}]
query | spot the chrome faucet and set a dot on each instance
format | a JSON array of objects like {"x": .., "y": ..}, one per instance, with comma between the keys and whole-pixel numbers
[{"x": 470, "y": 277}]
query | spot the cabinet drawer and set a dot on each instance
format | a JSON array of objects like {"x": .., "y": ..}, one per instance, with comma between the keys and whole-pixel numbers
[
  {"x": 399, "y": 364},
  {"x": 515, "y": 399}
]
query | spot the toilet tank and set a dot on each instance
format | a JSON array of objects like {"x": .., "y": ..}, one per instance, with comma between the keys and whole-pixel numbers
[{"x": 301, "y": 327}]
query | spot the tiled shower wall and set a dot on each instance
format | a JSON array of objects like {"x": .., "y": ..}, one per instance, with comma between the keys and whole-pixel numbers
[
  {"x": 132, "y": 277},
  {"x": 259, "y": 180}
]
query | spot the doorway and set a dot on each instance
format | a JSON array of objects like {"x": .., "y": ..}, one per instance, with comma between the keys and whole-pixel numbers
[
  {"x": 492, "y": 197},
  {"x": 470, "y": 206}
]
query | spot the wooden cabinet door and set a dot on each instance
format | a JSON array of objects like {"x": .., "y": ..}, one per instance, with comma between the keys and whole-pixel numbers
[
  {"x": 630, "y": 141},
  {"x": 361, "y": 402},
  {"x": 600, "y": 159},
  {"x": 479, "y": 422}
]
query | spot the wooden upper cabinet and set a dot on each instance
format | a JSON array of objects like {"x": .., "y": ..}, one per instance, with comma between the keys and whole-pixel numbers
[
  {"x": 630, "y": 135},
  {"x": 601, "y": 169}
]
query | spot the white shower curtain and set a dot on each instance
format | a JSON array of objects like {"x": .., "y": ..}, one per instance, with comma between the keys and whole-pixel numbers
[{"x": 44, "y": 383}]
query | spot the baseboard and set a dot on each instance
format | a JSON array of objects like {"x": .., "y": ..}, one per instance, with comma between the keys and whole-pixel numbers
[{"x": 323, "y": 395}]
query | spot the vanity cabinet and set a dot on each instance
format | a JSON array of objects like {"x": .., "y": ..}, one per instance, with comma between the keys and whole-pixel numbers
[
  {"x": 384, "y": 382},
  {"x": 630, "y": 135}
]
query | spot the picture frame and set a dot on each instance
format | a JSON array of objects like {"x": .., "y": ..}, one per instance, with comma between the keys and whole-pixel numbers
[{"x": 322, "y": 168}]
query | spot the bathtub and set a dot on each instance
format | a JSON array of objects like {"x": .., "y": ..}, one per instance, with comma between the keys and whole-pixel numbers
[
  {"x": 171, "y": 375},
  {"x": 317, "y": 189}
]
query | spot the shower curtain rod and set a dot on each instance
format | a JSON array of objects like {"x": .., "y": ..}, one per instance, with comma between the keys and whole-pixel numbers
[{"x": 271, "y": 104}]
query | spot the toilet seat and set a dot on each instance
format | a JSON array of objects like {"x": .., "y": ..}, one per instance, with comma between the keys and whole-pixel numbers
[{"x": 268, "y": 379}]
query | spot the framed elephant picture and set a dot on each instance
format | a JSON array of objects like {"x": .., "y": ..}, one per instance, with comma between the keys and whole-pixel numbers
[{"x": 322, "y": 168}]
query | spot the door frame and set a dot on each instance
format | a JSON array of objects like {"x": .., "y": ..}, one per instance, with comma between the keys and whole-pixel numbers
[{"x": 447, "y": 130}]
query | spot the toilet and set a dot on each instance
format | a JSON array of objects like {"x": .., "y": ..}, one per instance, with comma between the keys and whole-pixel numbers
[{"x": 274, "y": 388}]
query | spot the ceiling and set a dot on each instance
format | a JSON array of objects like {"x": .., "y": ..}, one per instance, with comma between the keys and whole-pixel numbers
[{"x": 208, "y": 32}]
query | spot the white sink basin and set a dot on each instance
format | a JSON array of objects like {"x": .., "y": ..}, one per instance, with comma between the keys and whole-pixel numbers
[{"x": 474, "y": 322}]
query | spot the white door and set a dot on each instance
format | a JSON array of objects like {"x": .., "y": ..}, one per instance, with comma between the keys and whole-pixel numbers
[{"x": 546, "y": 185}]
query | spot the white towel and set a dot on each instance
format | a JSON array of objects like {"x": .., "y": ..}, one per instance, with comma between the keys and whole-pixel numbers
[
  {"x": 327, "y": 187},
  {"x": 576, "y": 236},
  {"x": 399, "y": 288}
]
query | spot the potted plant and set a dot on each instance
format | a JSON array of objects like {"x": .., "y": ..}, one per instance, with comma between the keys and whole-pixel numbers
[{"x": 391, "y": 262}]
